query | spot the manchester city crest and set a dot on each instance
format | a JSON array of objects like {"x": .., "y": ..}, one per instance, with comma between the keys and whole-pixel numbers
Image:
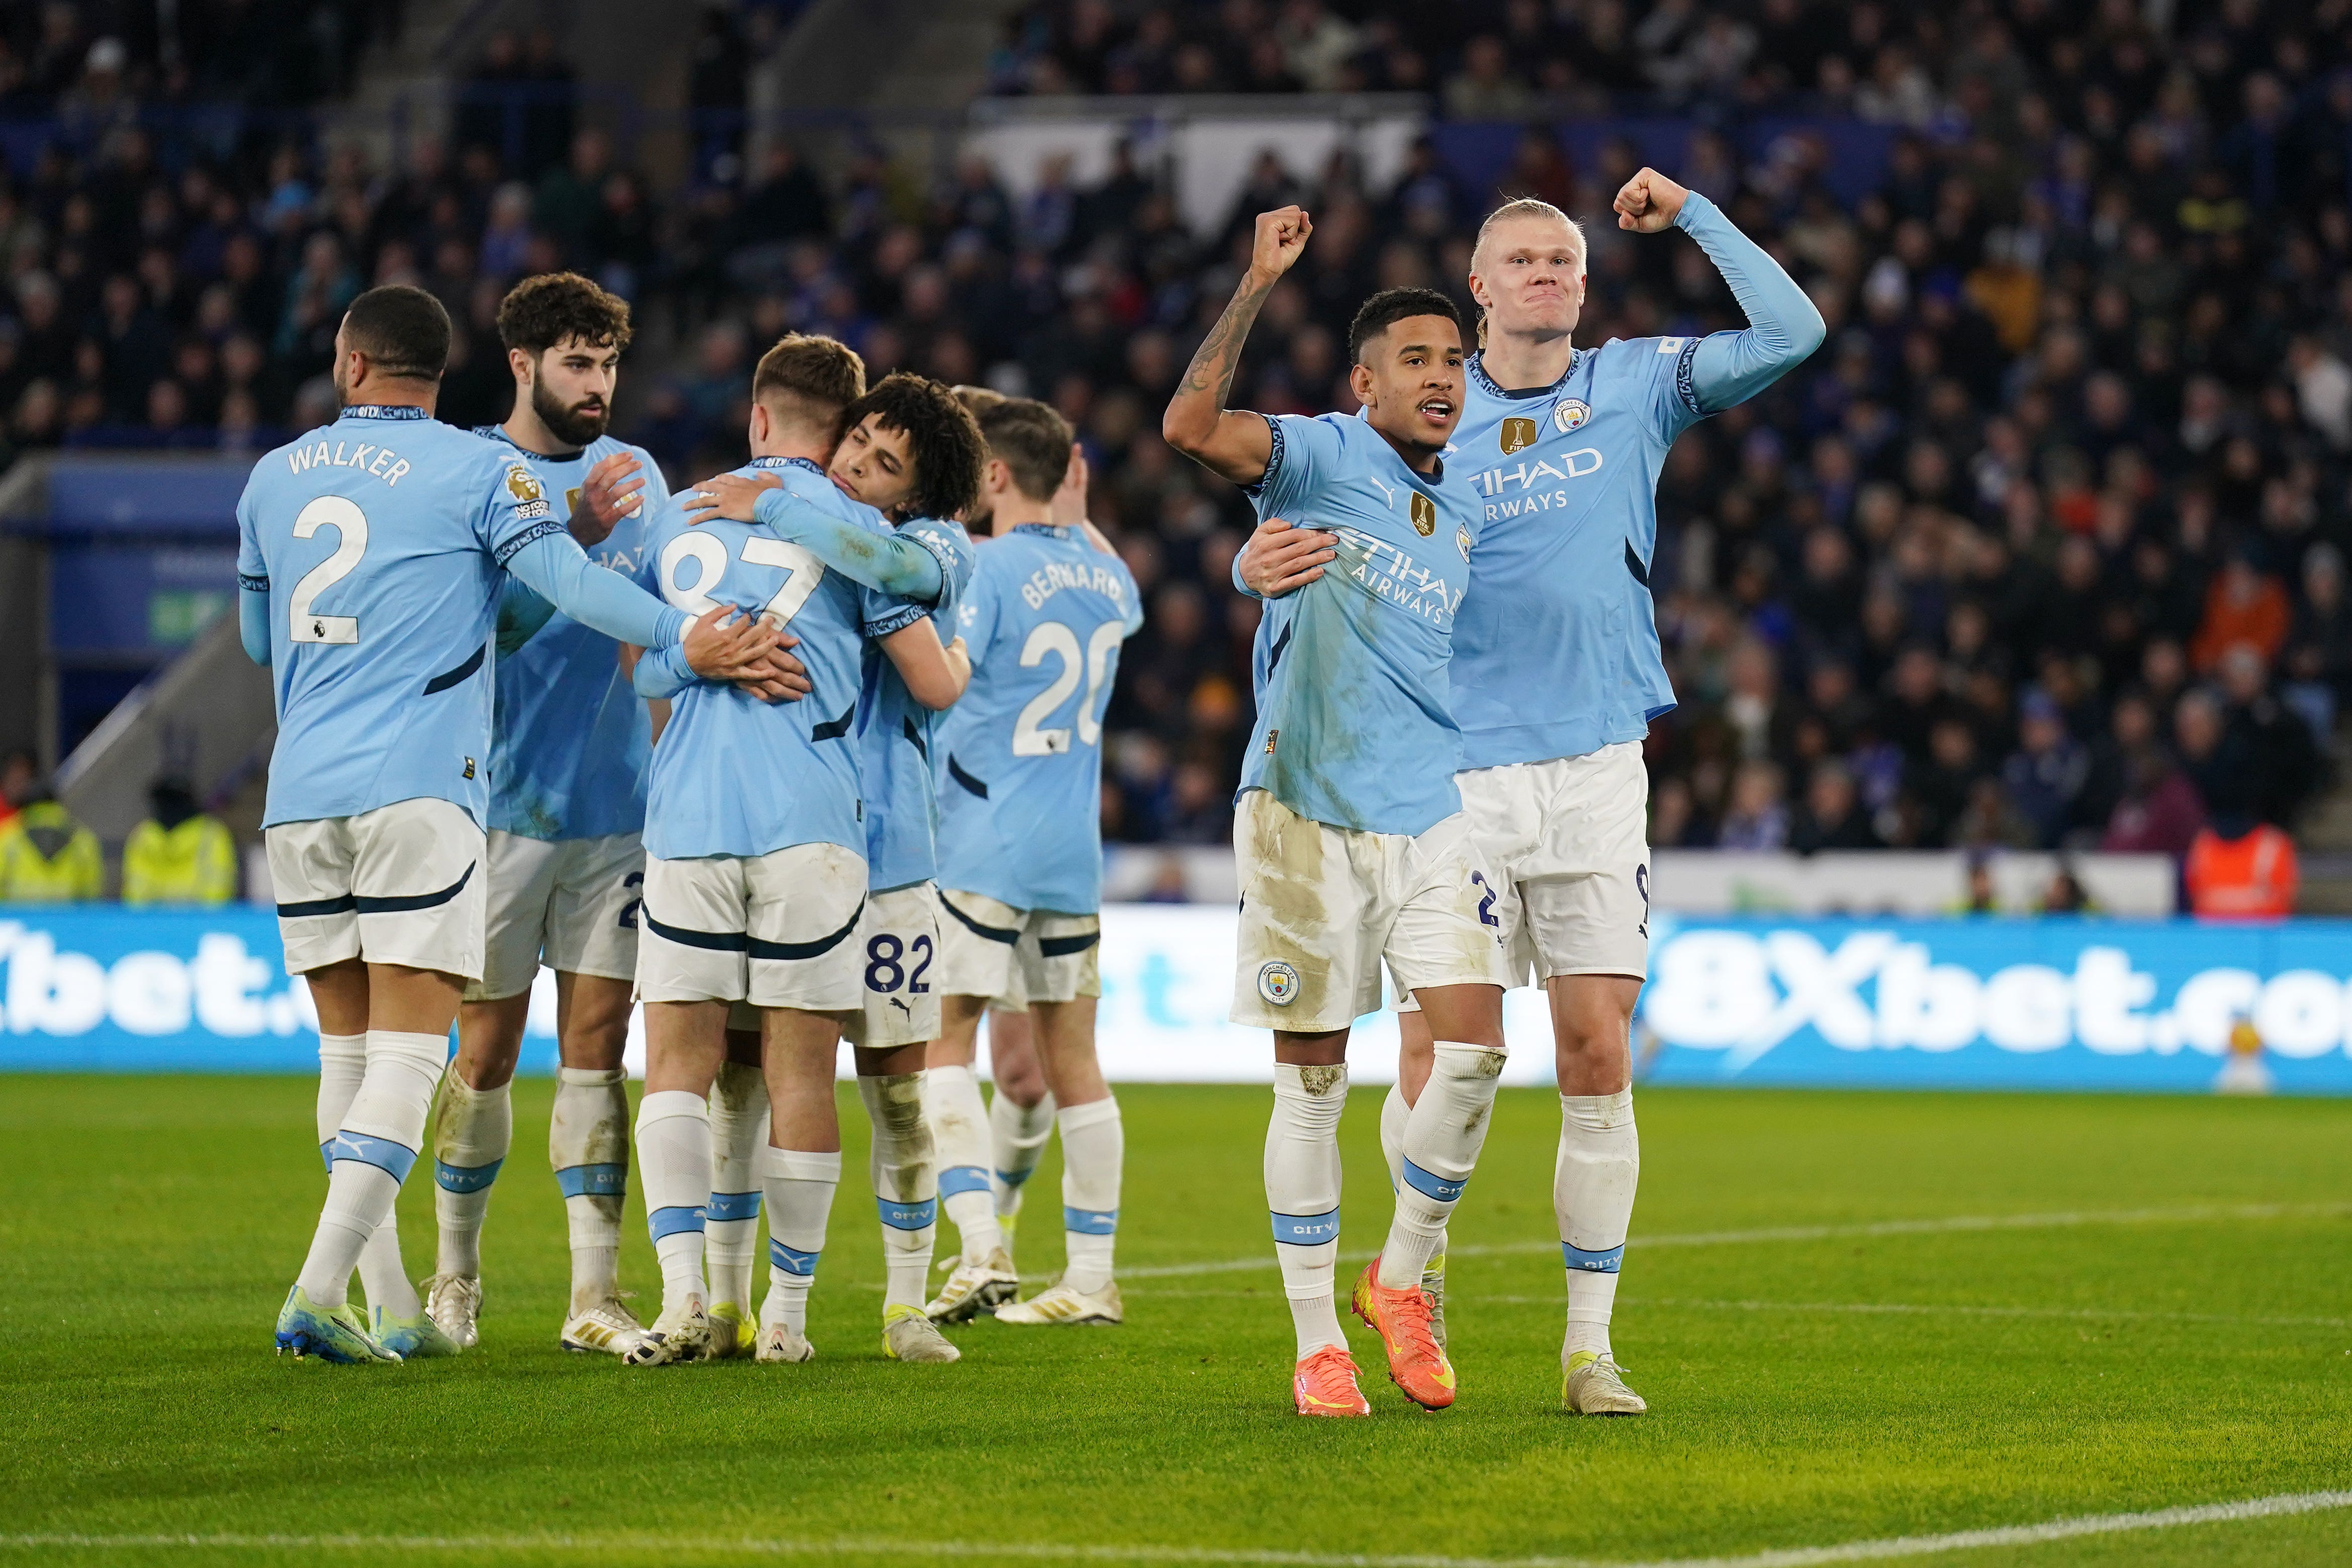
[
  {"x": 1277, "y": 982},
  {"x": 1462, "y": 542},
  {"x": 1569, "y": 413}
]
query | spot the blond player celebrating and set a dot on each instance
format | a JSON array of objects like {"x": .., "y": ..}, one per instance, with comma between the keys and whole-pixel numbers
[{"x": 1557, "y": 673}]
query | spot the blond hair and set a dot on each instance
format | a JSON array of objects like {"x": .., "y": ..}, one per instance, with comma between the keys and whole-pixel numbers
[{"x": 1520, "y": 207}]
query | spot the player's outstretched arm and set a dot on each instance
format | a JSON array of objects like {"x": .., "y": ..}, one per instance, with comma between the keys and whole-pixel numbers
[
  {"x": 892, "y": 562},
  {"x": 935, "y": 676},
  {"x": 1231, "y": 445},
  {"x": 560, "y": 571},
  {"x": 1784, "y": 326},
  {"x": 253, "y": 624}
]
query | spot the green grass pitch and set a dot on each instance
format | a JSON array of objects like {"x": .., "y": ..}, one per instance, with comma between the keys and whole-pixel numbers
[{"x": 2170, "y": 1325}]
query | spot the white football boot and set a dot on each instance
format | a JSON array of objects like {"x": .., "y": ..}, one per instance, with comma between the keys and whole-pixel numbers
[
  {"x": 608, "y": 1327},
  {"x": 1592, "y": 1384},
  {"x": 454, "y": 1302},
  {"x": 973, "y": 1289},
  {"x": 1058, "y": 1305},
  {"x": 681, "y": 1333}
]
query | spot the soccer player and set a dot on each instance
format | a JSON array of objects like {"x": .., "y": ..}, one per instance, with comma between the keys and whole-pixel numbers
[
  {"x": 1556, "y": 672},
  {"x": 1020, "y": 781},
  {"x": 1352, "y": 845},
  {"x": 905, "y": 418},
  {"x": 565, "y": 857},
  {"x": 754, "y": 893},
  {"x": 369, "y": 572}
]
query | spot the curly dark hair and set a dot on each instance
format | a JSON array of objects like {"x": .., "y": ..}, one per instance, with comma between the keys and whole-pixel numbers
[
  {"x": 559, "y": 308},
  {"x": 941, "y": 437}
]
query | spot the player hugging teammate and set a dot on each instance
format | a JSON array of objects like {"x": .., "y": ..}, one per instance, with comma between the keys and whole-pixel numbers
[
  {"x": 788, "y": 898},
  {"x": 1555, "y": 675}
]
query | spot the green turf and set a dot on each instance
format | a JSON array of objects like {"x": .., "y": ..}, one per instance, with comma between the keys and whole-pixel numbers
[{"x": 150, "y": 1227}]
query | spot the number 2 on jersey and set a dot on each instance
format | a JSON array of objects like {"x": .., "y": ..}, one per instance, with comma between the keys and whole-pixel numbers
[
  {"x": 1029, "y": 739},
  {"x": 350, "y": 526},
  {"x": 804, "y": 572}
]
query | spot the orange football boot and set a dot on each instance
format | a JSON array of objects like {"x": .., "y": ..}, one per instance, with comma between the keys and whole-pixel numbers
[
  {"x": 1325, "y": 1384},
  {"x": 1417, "y": 1363}
]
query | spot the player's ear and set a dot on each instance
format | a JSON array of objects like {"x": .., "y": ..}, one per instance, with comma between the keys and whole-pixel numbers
[{"x": 1359, "y": 381}]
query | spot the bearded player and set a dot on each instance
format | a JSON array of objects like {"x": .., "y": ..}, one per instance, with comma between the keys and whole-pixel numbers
[
  {"x": 565, "y": 859},
  {"x": 1557, "y": 673}
]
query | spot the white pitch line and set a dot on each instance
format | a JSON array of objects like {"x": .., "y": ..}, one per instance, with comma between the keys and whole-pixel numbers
[
  {"x": 1934, "y": 1309},
  {"x": 1948, "y": 1224},
  {"x": 2283, "y": 1505}
]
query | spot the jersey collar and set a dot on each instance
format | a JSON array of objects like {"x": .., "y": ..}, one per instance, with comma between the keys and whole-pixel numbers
[
  {"x": 1057, "y": 530},
  {"x": 382, "y": 410},
  {"x": 498, "y": 432},
  {"x": 788, "y": 463},
  {"x": 1486, "y": 383}
]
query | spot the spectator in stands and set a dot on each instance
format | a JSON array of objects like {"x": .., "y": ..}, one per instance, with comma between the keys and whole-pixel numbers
[
  {"x": 179, "y": 855},
  {"x": 1757, "y": 818},
  {"x": 1832, "y": 817},
  {"x": 48, "y": 857},
  {"x": 2045, "y": 776}
]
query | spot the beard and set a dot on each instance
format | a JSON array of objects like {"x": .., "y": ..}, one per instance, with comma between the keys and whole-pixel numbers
[{"x": 577, "y": 425}]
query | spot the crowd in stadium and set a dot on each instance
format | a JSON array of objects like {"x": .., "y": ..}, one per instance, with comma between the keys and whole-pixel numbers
[{"x": 2045, "y": 547}]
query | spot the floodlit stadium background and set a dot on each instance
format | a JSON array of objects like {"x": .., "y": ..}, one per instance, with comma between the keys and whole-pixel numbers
[{"x": 2039, "y": 562}]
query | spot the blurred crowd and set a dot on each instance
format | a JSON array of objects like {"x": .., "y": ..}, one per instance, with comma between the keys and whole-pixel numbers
[{"x": 2045, "y": 547}]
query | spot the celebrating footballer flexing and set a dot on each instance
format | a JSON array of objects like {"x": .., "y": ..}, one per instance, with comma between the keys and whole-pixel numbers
[
  {"x": 1557, "y": 673},
  {"x": 1352, "y": 844}
]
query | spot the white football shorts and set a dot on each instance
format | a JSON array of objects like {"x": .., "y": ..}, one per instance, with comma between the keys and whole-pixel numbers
[
  {"x": 776, "y": 930},
  {"x": 1323, "y": 906},
  {"x": 569, "y": 902},
  {"x": 1567, "y": 842},
  {"x": 401, "y": 884},
  {"x": 898, "y": 952},
  {"x": 1015, "y": 957}
]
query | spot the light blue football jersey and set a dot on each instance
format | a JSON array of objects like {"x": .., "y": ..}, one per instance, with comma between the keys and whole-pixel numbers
[
  {"x": 570, "y": 736},
  {"x": 733, "y": 775},
  {"x": 896, "y": 734},
  {"x": 379, "y": 539},
  {"x": 1557, "y": 650},
  {"x": 1556, "y": 653},
  {"x": 1019, "y": 758},
  {"x": 1354, "y": 728}
]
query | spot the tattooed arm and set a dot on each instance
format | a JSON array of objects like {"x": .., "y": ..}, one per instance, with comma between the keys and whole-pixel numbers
[{"x": 1234, "y": 445}]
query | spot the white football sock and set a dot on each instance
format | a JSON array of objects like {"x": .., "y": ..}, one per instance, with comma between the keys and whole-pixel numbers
[
  {"x": 906, "y": 1184},
  {"x": 1592, "y": 1194},
  {"x": 1094, "y": 1151},
  {"x": 342, "y": 1062},
  {"x": 958, "y": 1122},
  {"x": 673, "y": 1153},
  {"x": 588, "y": 1144},
  {"x": 1302, "y": 1192},
  {"x": 470, "y": 1143},
  {"x": 1443, "y": 1135},
  {"x": 731, "y": 1231},
  {"x": 383, "y": 1274},
  {"x": 1394, "y": 1110},
  {"x": 373, "y": 1148},
  {"x": 799, "y": 1185},
  {"x": 1017, "y": 1135}
]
